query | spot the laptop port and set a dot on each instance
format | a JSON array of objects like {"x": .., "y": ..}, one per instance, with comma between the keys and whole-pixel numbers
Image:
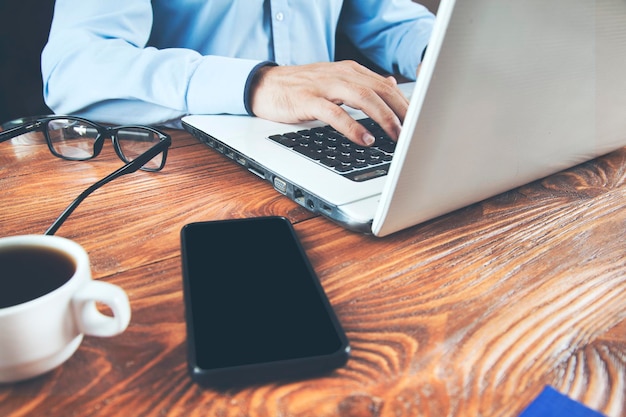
[
  {"x": 280, "y": 185},
  {"x": 256, "y": 172},
  {"x": 298, "y": 196}
]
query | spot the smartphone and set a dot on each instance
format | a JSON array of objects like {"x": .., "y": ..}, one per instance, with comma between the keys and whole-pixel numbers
[{"x": 254, "y": 308}]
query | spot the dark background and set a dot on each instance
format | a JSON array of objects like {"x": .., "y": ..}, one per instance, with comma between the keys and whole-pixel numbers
[{"x": 23, "y": 33}]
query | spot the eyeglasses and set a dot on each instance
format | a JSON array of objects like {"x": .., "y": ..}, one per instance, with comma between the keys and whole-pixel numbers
[{"x": 77, "y": 139}]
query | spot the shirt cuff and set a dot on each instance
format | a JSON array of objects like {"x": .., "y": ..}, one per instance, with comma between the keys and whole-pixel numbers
[
  {"x": 217, "y": 85},
  {"x": 249, "y": 81}
]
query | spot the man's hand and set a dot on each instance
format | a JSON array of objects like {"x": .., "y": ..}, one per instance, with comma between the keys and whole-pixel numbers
[{"x": 292, "y": 94}]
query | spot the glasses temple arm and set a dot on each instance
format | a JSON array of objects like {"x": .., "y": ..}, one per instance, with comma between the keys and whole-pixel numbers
[
  {"x": 130, "y": 167},
  {"x": 19, "y": 130}
]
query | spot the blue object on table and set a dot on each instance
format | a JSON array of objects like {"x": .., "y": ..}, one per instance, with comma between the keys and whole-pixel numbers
[{"x": 551, "y": 403}]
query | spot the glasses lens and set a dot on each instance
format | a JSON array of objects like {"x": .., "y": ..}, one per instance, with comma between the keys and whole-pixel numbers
[
  {"x": 72, "y": 139},
  {"x": 134, "y": 141}
]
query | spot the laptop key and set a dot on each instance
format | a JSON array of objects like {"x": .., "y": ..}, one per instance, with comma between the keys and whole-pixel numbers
[
  {"x": 312, "y": 153},
  {"x": 330, "y": 162},
  {"x": 343, "y": 168},
  {"x": 283, "y": 140},
  {"x": 385, "y": 145}
]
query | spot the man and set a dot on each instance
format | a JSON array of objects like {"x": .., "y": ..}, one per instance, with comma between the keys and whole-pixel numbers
[{"x": 152, "y": 62}]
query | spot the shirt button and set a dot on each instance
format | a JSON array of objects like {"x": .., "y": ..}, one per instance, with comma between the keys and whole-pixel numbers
[{"x": 279, "y": 16}]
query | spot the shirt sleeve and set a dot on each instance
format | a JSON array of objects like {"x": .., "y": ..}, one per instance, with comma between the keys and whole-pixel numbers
[
  {"x": 393, "y": 33},
  {"x": 96, "y": 64}
]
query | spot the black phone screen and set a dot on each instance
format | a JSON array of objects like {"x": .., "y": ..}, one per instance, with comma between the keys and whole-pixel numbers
[{"x": 253, "y": 301}]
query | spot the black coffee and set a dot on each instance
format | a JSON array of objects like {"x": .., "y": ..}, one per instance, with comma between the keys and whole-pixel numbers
[{"x": 28, "y": 272}]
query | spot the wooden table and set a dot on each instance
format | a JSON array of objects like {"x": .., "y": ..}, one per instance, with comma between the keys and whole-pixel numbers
[{"x": 471, "y": 314}]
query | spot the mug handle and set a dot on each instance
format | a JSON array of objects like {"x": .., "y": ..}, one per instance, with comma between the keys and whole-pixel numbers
[{"x": 91, "y": 321}]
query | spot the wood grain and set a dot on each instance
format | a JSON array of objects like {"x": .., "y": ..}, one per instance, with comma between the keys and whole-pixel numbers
[{"x": 470, "y": 314}]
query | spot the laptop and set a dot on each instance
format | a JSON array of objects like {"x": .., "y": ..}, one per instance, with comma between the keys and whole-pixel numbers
[{"x": 509, "y": 92}]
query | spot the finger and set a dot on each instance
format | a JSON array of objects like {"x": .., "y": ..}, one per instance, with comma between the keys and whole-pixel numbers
[
  {"x": 386, "y": 87},
  {"x": 345, "y": 124},
  {"x": 377, "y": 104}
]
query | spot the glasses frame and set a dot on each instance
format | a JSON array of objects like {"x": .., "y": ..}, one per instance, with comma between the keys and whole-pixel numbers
[{"x": 40, "y": 123}]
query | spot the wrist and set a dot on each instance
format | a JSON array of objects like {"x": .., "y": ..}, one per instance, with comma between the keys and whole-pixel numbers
[{"x": 252, "y": 83}]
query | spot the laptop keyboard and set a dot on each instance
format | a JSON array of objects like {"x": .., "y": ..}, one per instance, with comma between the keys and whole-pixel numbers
[{"x": 331, "y": 149}]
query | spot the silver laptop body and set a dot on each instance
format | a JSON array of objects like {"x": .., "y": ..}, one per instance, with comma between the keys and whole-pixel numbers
[{"x": 509, "y": 92}]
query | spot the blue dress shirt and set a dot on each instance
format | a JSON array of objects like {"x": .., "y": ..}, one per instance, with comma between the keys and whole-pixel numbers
[{"x": 151, "y": 62}]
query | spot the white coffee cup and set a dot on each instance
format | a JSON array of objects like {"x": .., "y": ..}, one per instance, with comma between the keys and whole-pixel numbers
[{"x": 45, "y": 309}]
